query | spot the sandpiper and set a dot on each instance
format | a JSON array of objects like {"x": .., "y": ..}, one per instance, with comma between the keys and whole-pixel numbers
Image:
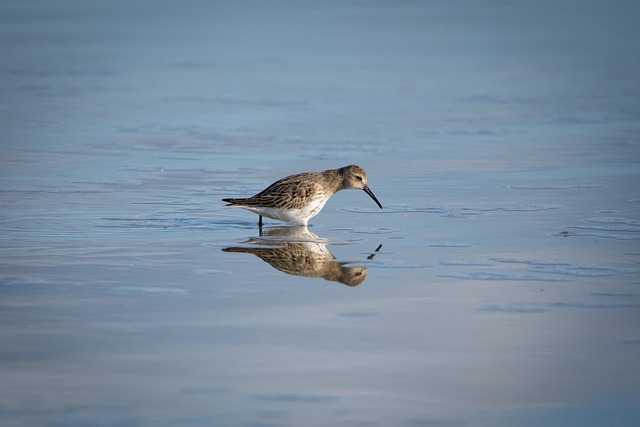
[{"x": 297, "y": 198}]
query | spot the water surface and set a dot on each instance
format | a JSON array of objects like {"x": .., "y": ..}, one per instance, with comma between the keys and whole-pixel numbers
[{"x": 500, "y": 284}]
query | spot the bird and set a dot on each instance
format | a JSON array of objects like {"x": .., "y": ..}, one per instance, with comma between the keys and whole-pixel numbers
[
  {"x": 299, "y": 252},
  {"x": 297, "y": 198}
]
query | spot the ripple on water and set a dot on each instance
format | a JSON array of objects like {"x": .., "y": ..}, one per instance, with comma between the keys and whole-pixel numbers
[
  {"x": 450, "y": 245},
  {"x": 143, "y": 222},
  {"x": 56, "y": 190},
  {"x": 506, "y": 277},
  {"x": 516, "y": 308},
  {"x": 539, "y": 270},
  {"x": 552, "y": 187},
  {"x": 147, "y": 290},
  {"x": 464, "y": 263},
  {"x": 578, "y": 270},
  {"x": 607, "y": 227},
  {"x": 34, "y": 281},
  {"x": 513, "y": 308},
  {"x": 527, "y": 261},
  {"x": 522, "y": 207},
  {"x": 400, "y": 208},
  {"x": 366, "y": 230},
  {"x": 616, "y": 294},
  {"x": 457, "y": 212},
  {"x": 612, "y": 220},
  {"x": 595, "y": 304},
  {"x": 395, "y": 264},
  {"x": 608, "y": 224},
  {"x": 568, "y": 268},
  {"x": 596, "y": 234},
  {"x": 357, "y": 314},
  {"x": 211, "y": 271}
]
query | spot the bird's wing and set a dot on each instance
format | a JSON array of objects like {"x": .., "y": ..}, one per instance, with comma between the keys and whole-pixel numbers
[{"x": 292, "y": 192}]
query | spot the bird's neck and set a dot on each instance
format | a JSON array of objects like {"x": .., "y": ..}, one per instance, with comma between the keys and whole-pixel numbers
[{"x": 333, "y": 180}]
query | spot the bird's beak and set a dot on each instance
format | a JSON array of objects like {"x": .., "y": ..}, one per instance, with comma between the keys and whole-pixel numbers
[{"x": 370, "y": 193}]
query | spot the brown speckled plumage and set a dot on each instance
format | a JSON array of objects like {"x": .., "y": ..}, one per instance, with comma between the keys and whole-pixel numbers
[
  {"x": 292, "y": 192},
  {"x": 297, "y": 198},
  {"x": 297, "y": 251}
]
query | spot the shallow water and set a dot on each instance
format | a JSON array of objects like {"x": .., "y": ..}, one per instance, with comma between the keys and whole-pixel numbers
[{"x": 500, "y": 284}]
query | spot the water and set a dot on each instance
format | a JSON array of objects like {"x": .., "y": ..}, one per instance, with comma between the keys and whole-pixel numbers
[{"x": 499, "y": 286}]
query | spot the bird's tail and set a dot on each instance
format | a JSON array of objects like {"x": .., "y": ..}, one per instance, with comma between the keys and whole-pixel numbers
[{"x": 232, "y": 202}]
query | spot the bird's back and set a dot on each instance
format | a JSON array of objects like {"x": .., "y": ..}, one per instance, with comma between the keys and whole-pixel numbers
[{"x": 292, "y": 192}]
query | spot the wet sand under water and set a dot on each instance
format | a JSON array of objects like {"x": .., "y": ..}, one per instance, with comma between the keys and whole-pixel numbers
[{"x": 500, "y": 284}]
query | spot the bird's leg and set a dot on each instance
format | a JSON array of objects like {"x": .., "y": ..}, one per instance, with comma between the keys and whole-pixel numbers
[{"x": 260, "y": 221}]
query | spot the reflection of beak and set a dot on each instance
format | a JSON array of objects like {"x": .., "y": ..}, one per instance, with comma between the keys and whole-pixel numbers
[{"x": 370, "y": 193}]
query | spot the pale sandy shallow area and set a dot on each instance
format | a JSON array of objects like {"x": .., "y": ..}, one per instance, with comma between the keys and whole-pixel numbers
[{"x": 499, "y": 286}]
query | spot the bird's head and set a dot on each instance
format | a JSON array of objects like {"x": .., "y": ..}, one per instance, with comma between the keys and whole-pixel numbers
[{"x": 355, "y": 178}]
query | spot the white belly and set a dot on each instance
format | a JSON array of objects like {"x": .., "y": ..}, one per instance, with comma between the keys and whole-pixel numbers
[{"x": 293, "y": 216}]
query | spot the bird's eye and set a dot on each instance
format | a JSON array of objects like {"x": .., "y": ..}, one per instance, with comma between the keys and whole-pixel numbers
[{"x": 358, "y": 177}]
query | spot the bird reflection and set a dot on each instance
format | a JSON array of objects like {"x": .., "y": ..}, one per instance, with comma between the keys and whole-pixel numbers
[{"x": 299, "y": 252}]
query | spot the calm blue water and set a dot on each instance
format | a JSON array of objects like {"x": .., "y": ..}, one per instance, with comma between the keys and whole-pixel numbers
[{"x": 499, "y": 286}]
